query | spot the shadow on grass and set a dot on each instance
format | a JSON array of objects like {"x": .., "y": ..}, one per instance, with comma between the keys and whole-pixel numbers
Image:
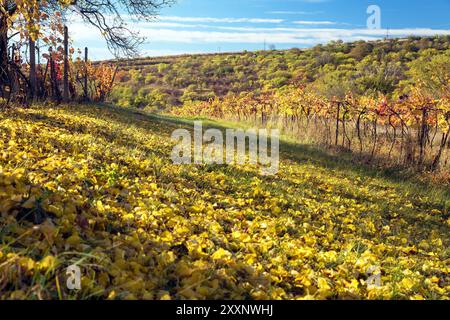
[{"x": 297, "y": 152}]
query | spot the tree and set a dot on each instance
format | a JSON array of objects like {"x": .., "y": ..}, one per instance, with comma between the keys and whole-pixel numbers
[
  {"x": 108, "y": 18},
  {"x": 433, "y": 72},
  {"x": 361, "y": 50},
  {"x": 373, "y": 77},
  {"x": 25, "y": 17}
]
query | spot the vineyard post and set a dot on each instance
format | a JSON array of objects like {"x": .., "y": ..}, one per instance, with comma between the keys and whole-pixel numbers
[
  {"x": 33, "y": 84},
  {"x": 337, "y": 123},
  {"x": 14, "y": 85},
  {"x": 113, "y": 77},
  {"x": 66, "y": 64},
  {"x": 4, "y": 77},
  {"x": 50, "y": 63},
  {"x": 86, "y": 73},
  {"x": 53, "y": 77},
  {"x": 40, "y": 81}
]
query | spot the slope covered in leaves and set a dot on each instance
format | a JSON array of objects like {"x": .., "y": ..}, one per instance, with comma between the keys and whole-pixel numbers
[{"x": 95, "y": 186}]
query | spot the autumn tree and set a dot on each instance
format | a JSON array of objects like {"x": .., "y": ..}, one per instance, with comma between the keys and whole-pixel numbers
[
  {"x": 361, "y": 50},
  {"x": 110, "y": 17},
  {"x": 433, "y": 72}
]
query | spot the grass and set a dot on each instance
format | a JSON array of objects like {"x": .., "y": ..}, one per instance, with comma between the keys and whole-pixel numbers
[
  {"x": 94, "y": 185},
  {"x": 409, "y": 181}
]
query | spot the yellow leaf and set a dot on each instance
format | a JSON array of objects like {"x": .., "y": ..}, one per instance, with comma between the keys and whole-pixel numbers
[
  {"x": 221, "y": 254},
  {"x": 323, "y": 284},
  {"x": 166, "y": 236},
  {"x": 112, "y": 295},
  {"x": 47, "y": 263},
  {"x": 407, "y": 284},
  {"x": 27, "y": 263},
  {"x": 164, "y": 295}
]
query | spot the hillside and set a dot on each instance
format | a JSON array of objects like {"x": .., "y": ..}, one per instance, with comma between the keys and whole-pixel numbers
[
  {"x": 95, "y": 185},
  {"x": 386, "y": 102},
  {"x": 364, "y": 68}
]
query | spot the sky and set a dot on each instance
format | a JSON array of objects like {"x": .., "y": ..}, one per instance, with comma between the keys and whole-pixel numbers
[{"x": 205, "y": 26}]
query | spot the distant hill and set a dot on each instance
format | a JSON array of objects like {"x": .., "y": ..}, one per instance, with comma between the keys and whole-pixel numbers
[{"x": 159, "y": 83}]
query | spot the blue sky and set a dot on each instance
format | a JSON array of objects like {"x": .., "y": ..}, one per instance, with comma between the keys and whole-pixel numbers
[{"x": 197, "y": 26}]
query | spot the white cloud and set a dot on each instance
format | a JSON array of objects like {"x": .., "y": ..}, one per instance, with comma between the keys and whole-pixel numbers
[
  {"x": 163, "y": 52},
  {"x": 219, "y": 20},
  {"x": 294, "y": 12},
  {"x": 299, "y": 36},
  {"x": 183, "y": 32},
  {"x": 303, "y": 22}
]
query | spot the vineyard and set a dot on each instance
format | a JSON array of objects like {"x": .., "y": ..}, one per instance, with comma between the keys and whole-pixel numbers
[
  {"x": 386, "y": 102},
  {"x": 412, "y": 130}
]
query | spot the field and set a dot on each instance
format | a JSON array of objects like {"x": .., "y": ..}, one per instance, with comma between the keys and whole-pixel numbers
[{"x": 94, "y": 185}]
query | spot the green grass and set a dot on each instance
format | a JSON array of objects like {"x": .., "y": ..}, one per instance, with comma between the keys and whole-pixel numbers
[{"x": 408, "y": 181}]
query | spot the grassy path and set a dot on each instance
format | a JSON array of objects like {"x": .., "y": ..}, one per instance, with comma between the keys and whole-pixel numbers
[{"x": 95, "y": 185}]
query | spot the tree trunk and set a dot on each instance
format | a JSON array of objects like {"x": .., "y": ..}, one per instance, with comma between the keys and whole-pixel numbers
[
  {"x": 86, "y": 96},
  {"x": 437, "y": 159},
  {"x": 4, "y": 79},
  {"x": 33, "y": 78},
  {"x": 423, "y": 134},
  {"x": 66, "y": 66}
]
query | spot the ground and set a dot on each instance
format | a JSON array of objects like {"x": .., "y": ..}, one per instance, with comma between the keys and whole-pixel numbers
[{"x": 95, "y": 186}]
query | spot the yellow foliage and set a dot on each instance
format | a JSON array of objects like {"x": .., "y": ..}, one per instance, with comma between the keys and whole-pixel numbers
[
  {"x": 221, "y": 254},
  {"x": 47, "y": 263},
  {"x": 96, "y": 186}
]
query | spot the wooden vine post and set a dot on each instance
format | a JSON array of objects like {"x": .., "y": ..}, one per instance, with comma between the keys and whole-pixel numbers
[
  {"x": 337, "y": 123},
  {"x": 33, "y": 79},
  {"x": 86, "y": 97},
  {"x": 13, "y": 80},
  {"x": 66, "y": 65},
  {"x": 53, "y": 77}
]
